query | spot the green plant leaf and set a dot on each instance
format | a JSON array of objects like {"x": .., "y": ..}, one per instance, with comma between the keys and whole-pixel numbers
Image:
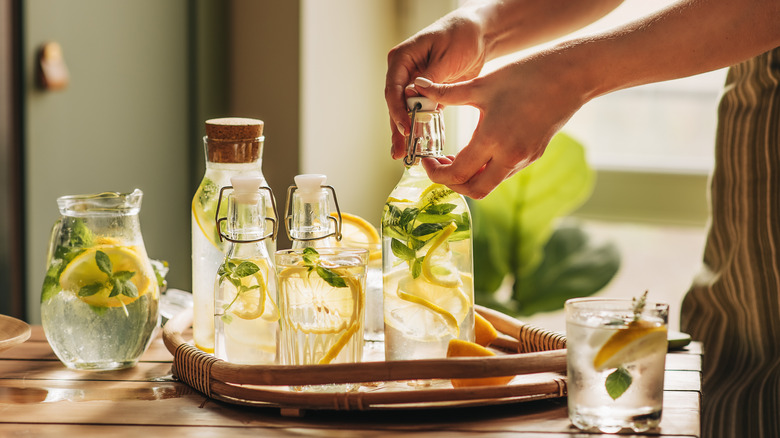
[
  {"x": 513, "y": 225},
  {"x": 516, "y": 219},
  {"x": 572, "y": 266}
]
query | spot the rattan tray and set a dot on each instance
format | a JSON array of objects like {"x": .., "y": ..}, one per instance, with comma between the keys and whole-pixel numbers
[{"x": 535, "y": 356}]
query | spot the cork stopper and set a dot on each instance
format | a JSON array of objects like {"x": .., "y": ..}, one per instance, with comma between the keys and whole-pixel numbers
[{"x": 234, "y": 140}]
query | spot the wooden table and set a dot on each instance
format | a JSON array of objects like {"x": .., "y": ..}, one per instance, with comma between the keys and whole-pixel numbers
[{"x": 40, "y": 397}]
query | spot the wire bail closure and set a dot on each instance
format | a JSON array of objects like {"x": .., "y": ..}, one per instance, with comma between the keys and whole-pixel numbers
[
  {"x": 288, "y": 216},
  {"x": 412, "y": 141},
  {"x": 274, "y": 222}
]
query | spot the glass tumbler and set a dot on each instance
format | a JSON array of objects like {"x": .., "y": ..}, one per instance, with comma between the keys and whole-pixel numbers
[{"x": 615, "y": 360}]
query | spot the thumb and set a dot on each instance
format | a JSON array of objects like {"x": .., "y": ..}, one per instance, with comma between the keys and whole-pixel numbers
[{"x": 459, "y": 93}]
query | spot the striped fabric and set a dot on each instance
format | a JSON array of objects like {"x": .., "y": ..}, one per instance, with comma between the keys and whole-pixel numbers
[{"x": 734, "y": 306}]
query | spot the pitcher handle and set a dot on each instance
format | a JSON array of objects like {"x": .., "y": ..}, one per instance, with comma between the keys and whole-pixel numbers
[{"x": 55, "y": 231}]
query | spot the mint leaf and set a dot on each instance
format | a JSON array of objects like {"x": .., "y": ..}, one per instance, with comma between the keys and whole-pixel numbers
[
  {"x": 440, "y": 208},
  {"x": 90, "y": 289},
  {"x": 618, "y": 382},
  {"x": 246, "y": 269},
  {"x": 402, "y": 251},
  {"x": 103, "y": 262},
  {"x": 130, "y": 290},
  {"x": 331, "y": 277},
  {"x": 425, "y": 229},
  {"x": 417, "y": 267}
]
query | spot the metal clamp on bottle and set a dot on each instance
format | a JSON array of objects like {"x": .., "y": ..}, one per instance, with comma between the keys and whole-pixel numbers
[
  {"x": 219, "y": 220},
  {"x": 311, "y": 190}
]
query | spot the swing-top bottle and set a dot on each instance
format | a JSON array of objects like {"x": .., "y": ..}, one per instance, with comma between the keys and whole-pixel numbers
[
  {"x": 246, "y": 314},
  {"x": 426, "y": 251}
]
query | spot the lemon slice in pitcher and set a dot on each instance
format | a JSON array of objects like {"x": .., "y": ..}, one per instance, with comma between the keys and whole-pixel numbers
[
  {"x": 84, "y": 271},
  {"x": 639, "y": 339}
]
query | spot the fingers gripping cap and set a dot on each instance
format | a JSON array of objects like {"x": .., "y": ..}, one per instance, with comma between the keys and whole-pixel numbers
[
  {"x": 425, "y": 103},
  {"x": 246, "y": 187},
  {"x": 309, "y": 186}
]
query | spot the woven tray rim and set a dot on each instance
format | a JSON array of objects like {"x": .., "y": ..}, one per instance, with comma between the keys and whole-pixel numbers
[{"x": 534, "y": 352}]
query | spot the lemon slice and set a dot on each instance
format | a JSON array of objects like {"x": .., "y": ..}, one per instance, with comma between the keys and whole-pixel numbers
[
  {"x": 436, "y": 194},
  {"x": 354, "y": 324},
  {"x": 83, "y": 271},
  {"x": 204, "y": 205},
  {"x": 358, "y": 232},
  {"x": 422, "y": 310},
  {"x": 314, "y": 307},
  {"x": 253, "y": 302},
  {"x": 627, "y": 345},
  {"x": 437, "y": 267}
]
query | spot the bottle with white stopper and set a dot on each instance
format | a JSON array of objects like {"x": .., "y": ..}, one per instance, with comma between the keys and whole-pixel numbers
[
  {"x": 246, "y": 314},
  {"x": 426, "y": 251}
]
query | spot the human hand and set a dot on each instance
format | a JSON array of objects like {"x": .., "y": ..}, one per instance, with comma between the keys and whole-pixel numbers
[
  {"x": 450, "y": 50},
  {"x": 522, "y": 106}
]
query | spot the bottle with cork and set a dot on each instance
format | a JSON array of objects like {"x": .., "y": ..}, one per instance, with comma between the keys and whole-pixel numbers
[{"x": 233, "y": 146}]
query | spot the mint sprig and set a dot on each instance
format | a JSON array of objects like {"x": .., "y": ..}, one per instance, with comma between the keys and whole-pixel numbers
[
  {"x": 233, "y": 273},
  {"x": 311, "y": 260},
  {"x": 620, "y": 380},
  {"x": 411, "y": 228},
  {"x": 119, "y": 283}
]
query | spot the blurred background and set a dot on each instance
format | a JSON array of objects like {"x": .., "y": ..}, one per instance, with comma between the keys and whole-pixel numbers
[{"x": 143, "y": 76}]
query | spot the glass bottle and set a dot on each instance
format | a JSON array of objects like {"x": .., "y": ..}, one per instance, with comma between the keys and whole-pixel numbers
[
  {"x": 233, "y": 146},
  {"x": 426, "y": 252},
  {"x": 99, "y": 303},
  {"x": 245, "y": 300}
]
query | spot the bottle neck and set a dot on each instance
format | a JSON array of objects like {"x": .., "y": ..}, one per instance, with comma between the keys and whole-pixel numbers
[
  {"x": 310, "y": 224},
  {"x": 245, "y": 221},
  {"x": 427, "y": 135}
]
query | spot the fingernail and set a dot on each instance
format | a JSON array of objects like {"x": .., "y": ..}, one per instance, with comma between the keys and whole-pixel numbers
[
  {"x": 423, "y": 82},
  {"x": 400, "y": 128}
]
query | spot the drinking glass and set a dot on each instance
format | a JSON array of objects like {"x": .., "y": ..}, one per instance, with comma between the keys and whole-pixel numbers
[
  {"x": 615, "y": 360},
  {"x": 322, "y": 306}
]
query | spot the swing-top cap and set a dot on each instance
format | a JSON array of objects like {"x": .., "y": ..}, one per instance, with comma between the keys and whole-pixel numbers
[
  {"x": 425, "y": 103},
  {"x": 246, "y": 187},
  {"x": 309, "y": 186}
]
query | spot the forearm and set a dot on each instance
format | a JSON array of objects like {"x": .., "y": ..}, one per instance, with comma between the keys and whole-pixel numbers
[
  {"x": 687, "y": 38},
  {"x": 512, "y": 25}
]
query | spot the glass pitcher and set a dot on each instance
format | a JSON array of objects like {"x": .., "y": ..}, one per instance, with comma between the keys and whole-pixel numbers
[{"x": 99, "y": 303}]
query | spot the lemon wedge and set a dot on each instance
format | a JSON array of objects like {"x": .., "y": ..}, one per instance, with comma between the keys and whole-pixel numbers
[
  {"x": 461, "y": 348},
  {"x": 627, "y": 345},
  {"x": 83, "y": 270},
  {"x": 484, "y": 332}
]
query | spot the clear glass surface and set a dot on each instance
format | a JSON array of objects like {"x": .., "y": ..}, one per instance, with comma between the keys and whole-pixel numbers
[
  {"x": 615, "y": 364},
  {"x": 99, "y": 303},
  {"x": 322, "y": 307}
]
